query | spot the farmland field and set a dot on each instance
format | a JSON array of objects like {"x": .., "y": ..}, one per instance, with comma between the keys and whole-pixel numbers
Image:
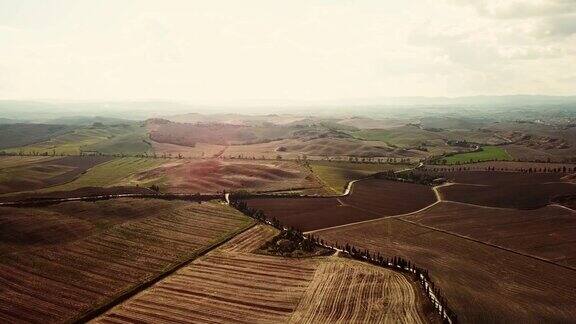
[
  {"x": 112, "y": 139},
  {"x": 320, "y": 148},
  {"x": 404, "y": 136},
  {"x": 113, "y": 173},
  {"x": 215, "y": 176},
  {"x": 336, "y": 175},
  {"x": 506, "y": 189},
  {"x": 200, "y": 150},
  {"x": 232, "y": 284},
  {"x": 17, "y": 135},
  {"x": 482, "y": 284},
  {"x": 487, "y": 153},
  {"x": 369, "y": 199},
  {"x": 548, "y": 233},
  {"x": 63, "y": 260},
  {"x": 24, "y": 174}
]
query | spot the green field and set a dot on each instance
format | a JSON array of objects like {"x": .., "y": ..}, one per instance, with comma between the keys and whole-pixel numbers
[
  {"x": 113, "y": 173},
  {"x": 25, "y": 170},
  {"x": 336, "y": 175},
  {"x": 487, "y": 153},
  {"x": 115, "y": 139}
]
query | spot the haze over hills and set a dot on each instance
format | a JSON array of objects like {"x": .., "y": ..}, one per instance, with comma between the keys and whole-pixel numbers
[{"x": 475, "y": 106}]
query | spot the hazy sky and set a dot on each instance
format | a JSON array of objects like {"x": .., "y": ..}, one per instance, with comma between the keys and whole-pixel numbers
[{"x": 224, "y": 51}]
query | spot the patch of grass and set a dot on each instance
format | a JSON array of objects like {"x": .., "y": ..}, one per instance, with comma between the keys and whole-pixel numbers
[
  {"x": 132, "y": 143},
  {"x": 110, "y": 173},
  {"x": 336, "y": 175},
  {"x": 487, "y": 153}
]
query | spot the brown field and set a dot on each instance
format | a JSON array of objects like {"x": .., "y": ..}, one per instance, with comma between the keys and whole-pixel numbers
[
  {"x": 548, "y": 233},
  {"x": 81, "y": 192},
  {"x": 190, "y": 134},
  {"x": 506, "y": 189},
  {"x": 369, "y": 123},
  {"x": 511, "y": 196},
  {"x": 214, "y": 133},
  {"x": 118, "y": 244},
  {"x": 268, "y": 150},
  {"x": 232, "y": 284},
  {"x": 200, "y": 150},
  {"x": 320, "y": 148},
  {"x": 217, "y": 175},
  {"x": 483, "y": 284},
  {"x": 369, "y": 199},
  {"x": 43, "y": 173}
]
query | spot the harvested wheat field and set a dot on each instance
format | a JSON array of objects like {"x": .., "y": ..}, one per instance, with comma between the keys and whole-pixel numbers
[
  {"x": 210, "y": 176},
  {"x": 233, "y": 284},
  {"x": 348, "y": 291},
  {"x": 119, "y": 245},
  {"x": 482, "y": 283}
]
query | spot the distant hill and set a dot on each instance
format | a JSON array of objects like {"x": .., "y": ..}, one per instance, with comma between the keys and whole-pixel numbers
[
  {"x": 86, "y": 121},
  {"x": 15, "y": 135}
]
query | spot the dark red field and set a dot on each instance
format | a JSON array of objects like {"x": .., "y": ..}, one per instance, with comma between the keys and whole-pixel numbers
[
  {"x": 82, "y": 192},
  {"x": 548, "y": 233},
  {"x": 369, "y": 199},
  {"x": 506, "y": 189},
  {"x": 482, "y": 284}
]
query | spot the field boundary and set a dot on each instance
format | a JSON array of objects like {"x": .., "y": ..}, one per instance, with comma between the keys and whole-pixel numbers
[
  {"x": 485, "y": 243},
  {"x": 151, "y": 281},
  {"x": 399, "y": 264}
]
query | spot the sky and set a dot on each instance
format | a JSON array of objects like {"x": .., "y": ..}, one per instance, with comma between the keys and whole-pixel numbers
[{"x": 218, "y": 51}]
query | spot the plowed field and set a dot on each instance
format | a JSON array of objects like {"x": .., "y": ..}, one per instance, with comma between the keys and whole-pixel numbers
[
  {"x": 483, "y": 284},
  {"x": 233, "y": 285},
  {"x": 122, "y": 244},
  {"x": 369, "y": 199}
]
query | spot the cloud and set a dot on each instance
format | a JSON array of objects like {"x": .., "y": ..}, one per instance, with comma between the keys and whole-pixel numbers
[
  {"x": 515, "y": 9},
  {"x": 561, "y": 26}
]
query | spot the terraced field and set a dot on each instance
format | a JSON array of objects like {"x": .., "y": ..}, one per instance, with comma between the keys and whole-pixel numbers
[
  {"x": 123, "y": 243},
  {"x": 233, "y": 284}
]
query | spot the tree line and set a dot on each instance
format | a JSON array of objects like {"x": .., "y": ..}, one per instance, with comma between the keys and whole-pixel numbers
[
  {"x": 432, "y": 291},
  {"x": 556, "y": 169}
]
